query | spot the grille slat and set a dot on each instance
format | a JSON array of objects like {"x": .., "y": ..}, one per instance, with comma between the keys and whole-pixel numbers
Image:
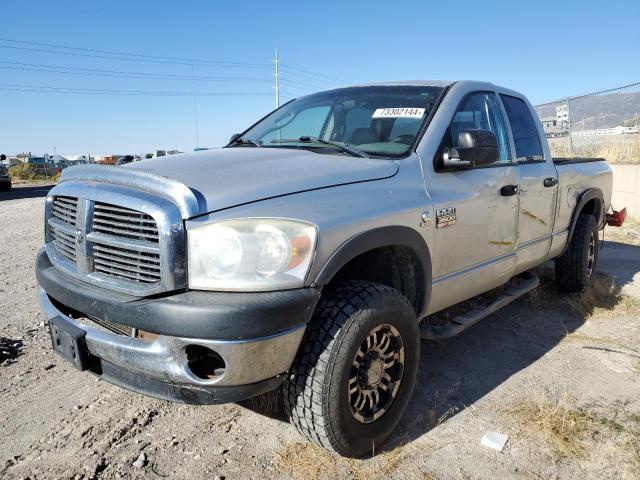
[
  {"x": 64, "y": 210},
  {"x": 127, "y": 273},
  {"x": 113, "y": 326},
  {"x": 121, "y": 225},
  {"x": 138, "y": 269},
  {"x": 118, "y": 232},
  {"x": 103, "y": 213},
  {"x": 153, "y": 269},
  {"x": 127, "y": 254}
]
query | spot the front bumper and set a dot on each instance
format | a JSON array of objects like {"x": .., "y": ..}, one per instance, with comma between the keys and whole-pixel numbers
[{"x": 254, "y": 361}]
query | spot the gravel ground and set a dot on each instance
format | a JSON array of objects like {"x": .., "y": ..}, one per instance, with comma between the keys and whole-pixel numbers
[{"x": 558, "y": 375}]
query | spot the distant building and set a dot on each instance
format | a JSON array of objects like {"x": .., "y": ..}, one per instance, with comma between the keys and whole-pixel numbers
[{"x": 559, "y": 125}]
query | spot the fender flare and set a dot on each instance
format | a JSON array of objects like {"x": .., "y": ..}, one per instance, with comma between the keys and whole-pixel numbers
[
  {"x": 588, "y": 195},
  {"x": 366, "y": 241}
]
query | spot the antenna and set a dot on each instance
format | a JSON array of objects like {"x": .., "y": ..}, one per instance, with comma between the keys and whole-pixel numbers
[{"x": 277, "y": 76}]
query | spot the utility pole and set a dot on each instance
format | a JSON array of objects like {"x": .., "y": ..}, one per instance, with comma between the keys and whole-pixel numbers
[
  {"x": 277, "y": 76},
  {"x": 195, "y": 105}
]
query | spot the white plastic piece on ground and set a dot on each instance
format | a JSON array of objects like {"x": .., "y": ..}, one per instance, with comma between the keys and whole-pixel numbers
[{"x": 494, "y": 440}]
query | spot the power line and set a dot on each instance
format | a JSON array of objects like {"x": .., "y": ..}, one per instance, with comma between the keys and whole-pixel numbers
[
  {"x": 609, "y": 90},
  {"x": 21, "y": 66},
  {"x": 312, "y": 74},
  {"x": 49, "y": 89},
  {"x": 180, "y": 60},
  {"x": 305, "y": 85},
  {"x": 77, "y": 54}
]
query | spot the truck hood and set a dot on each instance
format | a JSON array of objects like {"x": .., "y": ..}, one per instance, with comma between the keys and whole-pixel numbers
[{"x": 227, "y": 177}]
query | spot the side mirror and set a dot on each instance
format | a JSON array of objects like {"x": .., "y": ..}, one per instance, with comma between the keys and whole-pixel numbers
[
  {"x": 234, "y": 137},
  {"x": 475, "y": 147}
]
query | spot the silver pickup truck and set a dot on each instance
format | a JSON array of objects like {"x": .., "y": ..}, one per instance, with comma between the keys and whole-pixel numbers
[{"x": 311, "y": 252}]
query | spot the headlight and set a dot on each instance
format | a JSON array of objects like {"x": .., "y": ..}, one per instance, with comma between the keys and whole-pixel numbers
[{"x": 250, "y": 254}]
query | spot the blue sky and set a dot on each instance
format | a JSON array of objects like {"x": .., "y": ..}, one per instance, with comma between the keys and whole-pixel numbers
[{"x": 545, "y": 49}]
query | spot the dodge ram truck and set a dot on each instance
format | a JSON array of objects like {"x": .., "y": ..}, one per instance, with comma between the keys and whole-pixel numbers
[{"x": 309, "y": 254}]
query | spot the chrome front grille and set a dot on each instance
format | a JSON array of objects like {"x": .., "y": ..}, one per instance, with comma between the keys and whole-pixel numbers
[
  {"x": 111, "y": 245},
  {"x": 120, "y": 229}
]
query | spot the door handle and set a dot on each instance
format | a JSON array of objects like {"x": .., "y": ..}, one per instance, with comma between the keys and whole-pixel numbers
[
  {"x": 550, "y": 182},
  {"x": 509, "y": 190}
]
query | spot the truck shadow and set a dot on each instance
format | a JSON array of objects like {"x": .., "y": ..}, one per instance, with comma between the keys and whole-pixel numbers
[
  {"x": 19, "y": 192},
  {"x": 456, "y": 373}
]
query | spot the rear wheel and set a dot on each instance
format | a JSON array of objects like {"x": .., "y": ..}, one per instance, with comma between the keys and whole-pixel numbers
[
  {"x": 576, "y": 267},
  {"x": 356, "y": 368}
]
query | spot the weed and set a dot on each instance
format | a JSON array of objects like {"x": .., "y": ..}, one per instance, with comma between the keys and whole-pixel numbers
[
  {"x": 307, "y": 461},
  {"x": 561, "y": 428}
]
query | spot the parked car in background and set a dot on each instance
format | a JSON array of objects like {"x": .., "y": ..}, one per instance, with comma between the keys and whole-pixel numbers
[
  {"x": 310, "y": 254},
  {"x": 124, "y": 160},
  {"x": 5, "y": 179}
]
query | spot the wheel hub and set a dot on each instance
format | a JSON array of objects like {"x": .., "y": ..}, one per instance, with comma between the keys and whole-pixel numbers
[{"x": 376, "y": 373}]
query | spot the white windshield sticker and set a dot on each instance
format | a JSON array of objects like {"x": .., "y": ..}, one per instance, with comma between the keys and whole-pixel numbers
[{"x": 401, "y": 112}]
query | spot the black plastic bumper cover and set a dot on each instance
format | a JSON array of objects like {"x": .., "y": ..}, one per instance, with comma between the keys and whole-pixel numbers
[{"x": 192, "y": 314}]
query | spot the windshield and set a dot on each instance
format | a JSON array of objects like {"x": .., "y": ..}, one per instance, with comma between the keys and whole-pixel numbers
[{"x": 377, "y": 120}]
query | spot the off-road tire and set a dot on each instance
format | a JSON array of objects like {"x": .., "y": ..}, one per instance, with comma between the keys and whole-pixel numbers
[
  {"x": 576, "y": 268},
  {"x": 316, "y": 391}
]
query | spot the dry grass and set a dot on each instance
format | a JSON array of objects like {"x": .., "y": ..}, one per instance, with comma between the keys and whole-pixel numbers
[
  {"x": 307, "y": 461},
  {"x": 379, "y": 467},
  {"x": 629, "y": 455},
  {"x": 570, "y": 432},
  {"x": 616, "y": 149},
  {"x": 603, "y": 298},
  {"x": 563, "y": 429}
]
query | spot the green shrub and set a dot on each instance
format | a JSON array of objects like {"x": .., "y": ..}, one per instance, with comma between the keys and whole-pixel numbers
[{"x": 31, "y": 172}]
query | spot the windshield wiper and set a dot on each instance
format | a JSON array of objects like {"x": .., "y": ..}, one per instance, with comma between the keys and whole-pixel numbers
[
  {"x": 245, "y": 141},
  {"x": 344, "y": 147}
]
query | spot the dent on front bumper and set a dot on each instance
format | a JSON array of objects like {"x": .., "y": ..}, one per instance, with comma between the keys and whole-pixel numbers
[{"x": 254, "y": 363}]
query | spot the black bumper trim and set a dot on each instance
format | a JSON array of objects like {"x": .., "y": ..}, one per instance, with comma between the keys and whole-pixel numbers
[
  {"x": 190, "y": 394},
  {"x": 191, "y": 314}
]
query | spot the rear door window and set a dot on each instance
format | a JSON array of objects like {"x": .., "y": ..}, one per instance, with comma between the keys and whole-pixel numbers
[{"x": 523, "y": 128}]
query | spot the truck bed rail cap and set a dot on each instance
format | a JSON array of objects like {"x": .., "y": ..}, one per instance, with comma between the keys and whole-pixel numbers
[{"x": 173, "y": 190}]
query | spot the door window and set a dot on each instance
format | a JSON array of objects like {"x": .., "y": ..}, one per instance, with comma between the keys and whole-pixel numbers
[
  {"x": 480, "y": 111},
  {"x": 525, "y": 133}
]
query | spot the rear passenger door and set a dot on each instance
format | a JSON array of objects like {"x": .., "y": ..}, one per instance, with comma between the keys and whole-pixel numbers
[
  {"x": 475, "y": 224},
  {"x": 538, "y": 185}
]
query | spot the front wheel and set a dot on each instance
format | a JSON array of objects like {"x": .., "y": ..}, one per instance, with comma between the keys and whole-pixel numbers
[
  {"x": 356, "y": 368},
  {"x": 576, "y": 267}
]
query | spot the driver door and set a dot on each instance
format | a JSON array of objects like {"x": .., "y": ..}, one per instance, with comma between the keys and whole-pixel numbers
[{"x": 475, "y": 216}]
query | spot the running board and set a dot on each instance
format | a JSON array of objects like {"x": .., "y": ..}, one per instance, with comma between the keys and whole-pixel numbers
[{"x": 524, "y": 283}]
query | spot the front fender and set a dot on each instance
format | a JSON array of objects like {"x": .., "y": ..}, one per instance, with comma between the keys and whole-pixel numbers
[{"x": 396, "y": 235}]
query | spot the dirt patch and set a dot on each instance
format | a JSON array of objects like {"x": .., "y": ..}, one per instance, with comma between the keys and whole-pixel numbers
[{"x": 57, "y": 422}]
